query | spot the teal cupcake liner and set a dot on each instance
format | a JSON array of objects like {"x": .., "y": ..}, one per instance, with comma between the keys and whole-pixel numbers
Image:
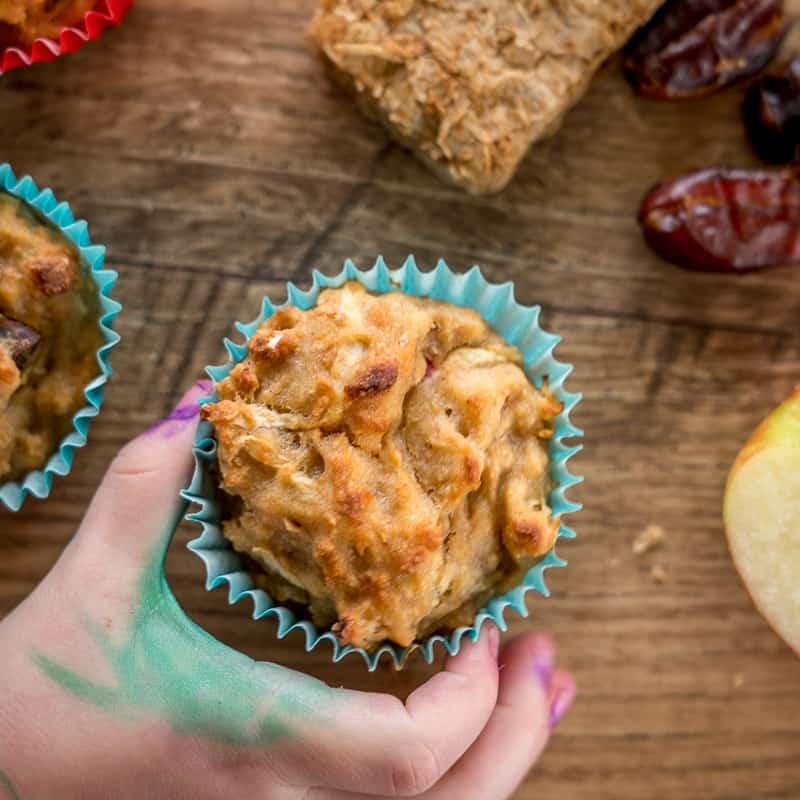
[
  {"x": 40, "y": 481},
  {"x": 519, "y": 325}
]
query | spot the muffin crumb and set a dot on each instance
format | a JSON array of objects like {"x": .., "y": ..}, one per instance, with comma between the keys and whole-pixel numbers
[
  {"x": 659, "y": 574},
  {"x": 649, "y": 539}
]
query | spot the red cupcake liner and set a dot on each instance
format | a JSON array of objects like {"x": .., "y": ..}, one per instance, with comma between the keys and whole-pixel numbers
[{"x": 106, "y": 14}]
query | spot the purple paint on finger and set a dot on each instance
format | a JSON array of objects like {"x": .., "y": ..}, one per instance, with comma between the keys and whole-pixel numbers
[
  {"x": 543, "y": 668},
  {"x": 177, "y": 420},
  {"x": 542, "y": 658},
  {"x": 560, "y": 705},
  {"x": 181, "y": 413}
]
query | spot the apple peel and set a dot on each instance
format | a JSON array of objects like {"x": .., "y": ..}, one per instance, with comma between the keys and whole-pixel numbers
[{"x": 762, "y": 518}]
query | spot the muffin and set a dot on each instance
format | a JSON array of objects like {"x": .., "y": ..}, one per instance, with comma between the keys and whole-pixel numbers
[
  {"x": 49, "y": 337},
  {"x": 385, "y": 463},
  {"x": 24, "y": 21}
]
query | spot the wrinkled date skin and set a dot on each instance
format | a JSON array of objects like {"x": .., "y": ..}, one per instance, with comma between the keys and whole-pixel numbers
[
  {"x": 693, "y": 47},
  {"x": 772, "y": 115},
  {"x": 18, "y": 340},
  {"x": 725, "y": 220}
]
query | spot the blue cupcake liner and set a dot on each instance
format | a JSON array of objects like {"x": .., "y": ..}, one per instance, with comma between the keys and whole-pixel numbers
[
  {"x": 519, "y": 325},
  {"x": 40, "y": 481}
]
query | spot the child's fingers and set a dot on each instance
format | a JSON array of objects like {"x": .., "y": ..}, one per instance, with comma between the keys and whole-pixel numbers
[
  {"x": 378, "y": 746},
  {"x": 138, "y": 502},
  {"x": 532, "y": 698}
]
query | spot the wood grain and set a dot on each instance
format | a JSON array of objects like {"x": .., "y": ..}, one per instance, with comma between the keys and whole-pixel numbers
[{"x": 208, "y": 151}]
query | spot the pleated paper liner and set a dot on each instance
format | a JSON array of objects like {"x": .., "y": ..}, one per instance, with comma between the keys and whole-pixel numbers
[
  {"x": 519, "y": 325},
  {"x": 39, "y": 482},
  {"x": 106, "y": 14}
]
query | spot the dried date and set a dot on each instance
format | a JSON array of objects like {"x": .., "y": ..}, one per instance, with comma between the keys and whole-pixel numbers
[
  {"x": 693, "y": 47},
  {"x": 772, "y": 114},
  {"x": 725, "y": 220},
  {"x": 18, "y": 340}
]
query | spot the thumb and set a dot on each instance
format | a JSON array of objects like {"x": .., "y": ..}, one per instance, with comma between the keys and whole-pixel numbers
[{"x": 138, "y": 504}]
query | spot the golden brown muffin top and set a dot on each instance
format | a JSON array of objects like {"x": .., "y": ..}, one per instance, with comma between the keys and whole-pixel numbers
[
  {"x": 48, "y": 336},
  {"x": 390, "y": 461},
  {"x": 24, "y": 21}
]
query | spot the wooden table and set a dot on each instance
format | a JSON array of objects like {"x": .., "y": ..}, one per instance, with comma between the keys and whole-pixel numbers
[{"x": 209, "y": 152}]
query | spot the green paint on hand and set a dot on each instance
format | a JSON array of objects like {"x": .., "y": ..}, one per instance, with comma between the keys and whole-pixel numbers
[
  {"x": 7, "y": 787},
  {"x": 100, "y": 696},
  {"x": 168, "y": 667}
]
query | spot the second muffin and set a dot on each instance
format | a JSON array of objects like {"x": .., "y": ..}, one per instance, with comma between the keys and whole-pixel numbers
[
  {"x": 387, "y": 461},
  {"x": 49, "y": 337}
]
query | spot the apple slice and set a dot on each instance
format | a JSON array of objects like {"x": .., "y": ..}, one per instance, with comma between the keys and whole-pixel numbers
[{"x": 762, "y": 518}]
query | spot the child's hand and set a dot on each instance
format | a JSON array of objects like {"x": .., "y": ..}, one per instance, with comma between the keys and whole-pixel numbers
[{"x": 109, "y": 691}]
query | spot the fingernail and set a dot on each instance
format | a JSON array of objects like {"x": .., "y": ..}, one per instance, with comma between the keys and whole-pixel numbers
[
  {"x": 543, "y": 665},
  {"x": 560, "y": 705}
]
